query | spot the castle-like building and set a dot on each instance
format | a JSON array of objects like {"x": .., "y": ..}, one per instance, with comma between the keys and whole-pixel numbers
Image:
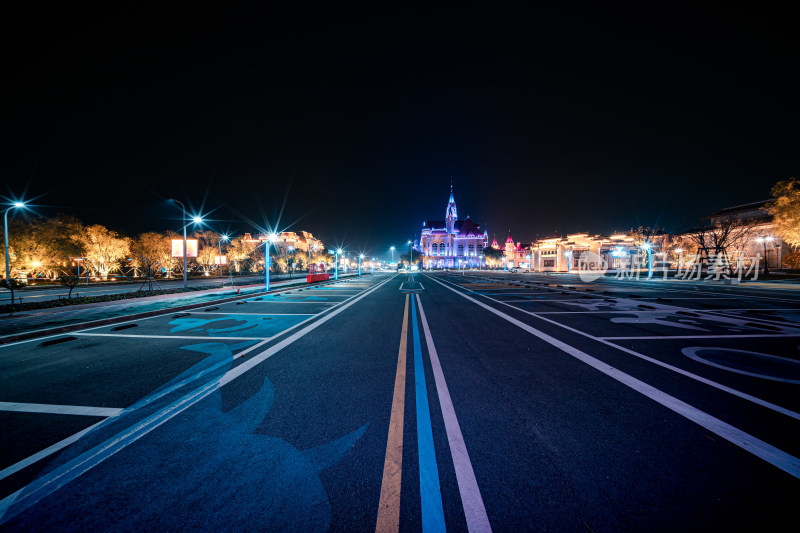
[{"x": 452, "y": 243}]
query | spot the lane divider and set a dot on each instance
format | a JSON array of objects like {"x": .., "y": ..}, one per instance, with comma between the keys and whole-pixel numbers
[
  {"x": 429, "y": 487},
  {"x": 389, "y": 506},
  {"x": 471, "y": 500}
]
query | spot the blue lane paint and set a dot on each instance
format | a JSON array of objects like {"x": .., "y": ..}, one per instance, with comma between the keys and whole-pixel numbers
[{"x": 429, "y": 489}]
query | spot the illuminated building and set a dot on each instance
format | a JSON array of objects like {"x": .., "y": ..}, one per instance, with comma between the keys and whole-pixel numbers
[{"x": 451, "y": 243}]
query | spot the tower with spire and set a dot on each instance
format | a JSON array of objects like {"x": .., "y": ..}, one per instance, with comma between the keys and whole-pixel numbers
[
  {"x": 451, "y": 242},
  {"x": 451, "y": 215}
]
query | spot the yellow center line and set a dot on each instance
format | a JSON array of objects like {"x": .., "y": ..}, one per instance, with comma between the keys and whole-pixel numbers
[{"x": 389, "y": 506}]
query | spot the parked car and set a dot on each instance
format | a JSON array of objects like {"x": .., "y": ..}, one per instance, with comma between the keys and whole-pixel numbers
[{"x": 515, "y": 270}]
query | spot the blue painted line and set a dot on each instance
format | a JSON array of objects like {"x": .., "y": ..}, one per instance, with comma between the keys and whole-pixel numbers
[{"x": 429, "y": 489}]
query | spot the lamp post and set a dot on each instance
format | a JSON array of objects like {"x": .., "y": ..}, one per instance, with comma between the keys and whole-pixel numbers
[
  {"x": 291, "y": 249},
  {"x": 336, "y": 262},
  {"x": 760, "y": 239},
  {"x": 197, "y": 220},
  {"x": 15, "y": 205},
  {"x": 360, "y": 257},
  {"x": 219, "y": 247},
  {"x": 267, "y": 260},
  {"x": 410, "y": 255},
  {"x": 392, "y": 249}
]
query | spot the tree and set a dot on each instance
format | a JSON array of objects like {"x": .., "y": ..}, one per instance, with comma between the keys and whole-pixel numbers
[
  {"x": 11, "y": 284},
  {"x": 71, "y": 282},
  {"x": 493, "y": 256},
  {"x": 240, "y": 253},
  {"x": 785, "y": 211},
  {"x": 714, "y": 237},
  {"x": 43, "y": 246},
  {"x": 104, "y": 248},
  {"x": 150, "y": 250},
  {"x": 205, "y": 257}
]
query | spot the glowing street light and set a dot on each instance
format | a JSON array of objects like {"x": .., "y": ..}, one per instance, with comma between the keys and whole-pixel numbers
[
  {"x": 410, "y": 255},
  {"x": 360, "y": 257},
  {"x": 335, "y": 262},
  {"x": 392, "y": 249},
  {"x": 15, "y": 205},
  {"x": 267, "y": 259},
  {"x": 196, "y": 220},
  {"x": 219, "y": 247}
]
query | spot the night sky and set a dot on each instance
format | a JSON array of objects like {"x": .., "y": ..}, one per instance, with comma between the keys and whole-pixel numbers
[{"x": 350, "y": 123}]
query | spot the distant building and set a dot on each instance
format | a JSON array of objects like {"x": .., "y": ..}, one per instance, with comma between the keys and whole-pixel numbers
[{"x": 452, "y": 243}]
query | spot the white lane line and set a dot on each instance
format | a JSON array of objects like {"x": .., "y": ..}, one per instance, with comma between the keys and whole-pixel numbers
[
  {"x": 705, "y": 311},
  {"x": 34, "y": 492},
  {"x": 667, "y": 337},
  {"x": 58, "y": 409},
  {"x": 685, "y": 373},
  {"x": 471, "y": 500},
  {"x": 774, "y": 456},
  {"x": 196, "y": 337}
]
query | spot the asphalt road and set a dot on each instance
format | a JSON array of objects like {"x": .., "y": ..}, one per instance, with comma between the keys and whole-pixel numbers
[
  {"x": 43, "y": 294},
  {"x": 394, "y": 402}
]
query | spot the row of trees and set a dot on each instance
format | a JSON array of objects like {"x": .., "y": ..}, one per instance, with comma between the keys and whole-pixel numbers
[{"x": 62, "y": 246}]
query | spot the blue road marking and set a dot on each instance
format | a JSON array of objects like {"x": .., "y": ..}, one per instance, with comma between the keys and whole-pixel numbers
[
  {"x": 430, "y": 492},
  {"x": 253, "y": 325}
]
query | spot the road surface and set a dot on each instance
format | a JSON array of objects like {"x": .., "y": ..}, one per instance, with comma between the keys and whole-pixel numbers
[{"x": 415, "y": 402}]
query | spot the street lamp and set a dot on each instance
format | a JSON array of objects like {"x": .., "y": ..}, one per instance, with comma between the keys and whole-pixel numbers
[
  {"x": 360, "y": 257},
  {"x": 219, "y": 247},
  {"x": 267, "y": 259},
  {"x": 290, "y": 249},
  {"x": 392, "y": 249},
  {"x": 410, "y": 255},
  {"x": 196, "y": 220},
  {"x": 335, "y": 262},
  {"x": 760, "y": 239},
  {"x": 15, "y": 205}
]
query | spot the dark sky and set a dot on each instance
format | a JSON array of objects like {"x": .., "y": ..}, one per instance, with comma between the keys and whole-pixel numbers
[{"x": 351, "y": 122}]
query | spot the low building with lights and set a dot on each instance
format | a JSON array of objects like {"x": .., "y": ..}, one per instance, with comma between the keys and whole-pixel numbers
[{"x": 452, "y": 243}]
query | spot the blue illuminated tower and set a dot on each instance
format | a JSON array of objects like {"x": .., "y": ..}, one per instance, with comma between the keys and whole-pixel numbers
[{"x": 451, "y": 216}]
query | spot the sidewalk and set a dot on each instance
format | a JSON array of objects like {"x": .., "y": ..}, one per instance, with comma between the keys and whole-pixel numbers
[{"x": 40, "y": 322}]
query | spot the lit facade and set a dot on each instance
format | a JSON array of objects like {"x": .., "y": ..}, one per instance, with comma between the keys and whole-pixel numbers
[{"x": 452, "y": 243}]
